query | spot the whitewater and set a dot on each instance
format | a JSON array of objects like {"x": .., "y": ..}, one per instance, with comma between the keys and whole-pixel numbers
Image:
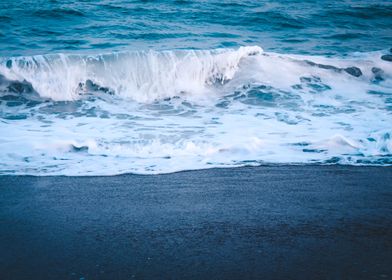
[
  {"x": 150, "y": 87},
  {"x": 164, "y": 111}
]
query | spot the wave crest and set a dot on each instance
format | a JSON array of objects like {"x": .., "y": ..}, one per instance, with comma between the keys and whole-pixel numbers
[{"x": 142, "y": 76}]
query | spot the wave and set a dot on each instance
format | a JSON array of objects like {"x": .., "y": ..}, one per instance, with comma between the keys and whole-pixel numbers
[
  {"x": 142, "y": 76},
  {"x": 146, "y": 76},
  {"x": 157, "y": 112}
]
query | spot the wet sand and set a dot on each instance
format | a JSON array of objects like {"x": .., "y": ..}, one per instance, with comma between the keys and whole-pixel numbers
[{"x": 277, "y": 222}]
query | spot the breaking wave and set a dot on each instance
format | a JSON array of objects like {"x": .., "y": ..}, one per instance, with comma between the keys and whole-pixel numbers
[
  {"x": 164, "y": 111},
  {"x": 141, "y": 76},
  {"x": 150, "y": 75}
]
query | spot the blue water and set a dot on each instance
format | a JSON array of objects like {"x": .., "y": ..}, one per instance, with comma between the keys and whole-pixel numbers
[
  {"x": 306, "y": 27},
  {"x": 109, "y": 87}
]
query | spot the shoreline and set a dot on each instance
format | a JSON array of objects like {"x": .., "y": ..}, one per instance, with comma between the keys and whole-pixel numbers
[
  {"x": 266, "y": 165},
  {"x": 269, "y": 222}
]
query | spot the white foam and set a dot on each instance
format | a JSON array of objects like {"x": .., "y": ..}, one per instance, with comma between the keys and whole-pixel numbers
[
  {"x": 279, "y": 109},
  {"x": 141, "y": 76}
]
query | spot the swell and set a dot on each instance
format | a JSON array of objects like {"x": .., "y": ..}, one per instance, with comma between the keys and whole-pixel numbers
[{"x": 59, "y": 12}]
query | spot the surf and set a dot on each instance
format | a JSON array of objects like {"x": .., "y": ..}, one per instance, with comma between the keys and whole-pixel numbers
[
  {"x": 146, "y": 76},
  {"x": 155, "y": 112}
]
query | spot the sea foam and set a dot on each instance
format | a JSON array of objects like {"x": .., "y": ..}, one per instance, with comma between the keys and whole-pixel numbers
[
  {"x": 141, "y": 76},
  {"x": 164, "y": 111}
]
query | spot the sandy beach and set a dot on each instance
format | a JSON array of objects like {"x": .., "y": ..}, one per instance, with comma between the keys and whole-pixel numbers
[
  {"x": 195, "y": 140},
  {"x": 269, "y": 222}
]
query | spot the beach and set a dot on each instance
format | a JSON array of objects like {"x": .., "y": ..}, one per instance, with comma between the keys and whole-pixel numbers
[
  {"x": 267, "y": 222},
  {"x": 195, "y": 139}
]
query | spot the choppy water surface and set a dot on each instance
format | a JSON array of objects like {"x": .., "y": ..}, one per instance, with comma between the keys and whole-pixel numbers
[{"x": 151, "y": 86}]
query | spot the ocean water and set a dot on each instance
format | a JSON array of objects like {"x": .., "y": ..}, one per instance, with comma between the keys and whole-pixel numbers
[{"x": 110, "y": 87}]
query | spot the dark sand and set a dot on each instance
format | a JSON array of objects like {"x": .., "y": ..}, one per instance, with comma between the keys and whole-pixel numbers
[{"x": 286, "y": 222}]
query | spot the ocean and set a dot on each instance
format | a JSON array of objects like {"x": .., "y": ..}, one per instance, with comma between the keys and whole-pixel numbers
[{"x": 147, "y": 87}]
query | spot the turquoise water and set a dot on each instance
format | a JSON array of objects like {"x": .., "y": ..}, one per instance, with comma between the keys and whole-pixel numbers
[
  {"x": 306, "y": 27},
  {"x": 109, "y": 87}
]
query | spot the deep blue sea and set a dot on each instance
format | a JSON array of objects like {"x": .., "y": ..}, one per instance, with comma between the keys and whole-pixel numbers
[{"x": 110, "y": 87}]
